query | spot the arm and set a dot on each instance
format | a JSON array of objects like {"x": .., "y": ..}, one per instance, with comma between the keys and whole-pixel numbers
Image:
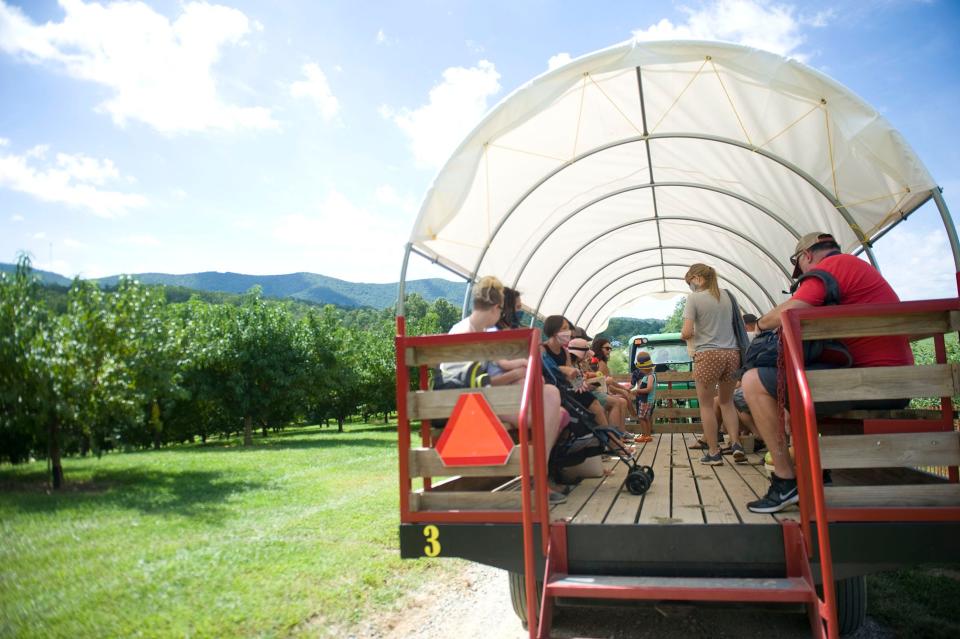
[
  {"x": 511, "y": 364},
  {"x": 648, "y": 387},
  {"x": 686, "y": 333},
  {"x": 772, "y": 319}
]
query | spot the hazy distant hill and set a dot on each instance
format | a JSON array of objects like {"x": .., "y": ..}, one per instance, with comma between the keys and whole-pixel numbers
[{"x": 306, "y": 286}]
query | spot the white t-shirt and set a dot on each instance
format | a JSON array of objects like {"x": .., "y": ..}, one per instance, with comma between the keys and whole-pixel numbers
[
  {"x": 454, "y": 369},
  {"x": 712, "y": 320}
]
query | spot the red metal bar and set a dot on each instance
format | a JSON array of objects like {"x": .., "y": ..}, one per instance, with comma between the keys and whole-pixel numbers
[
  {"x": 532, "y": 383},
  {"x": 803, "y": 425}
]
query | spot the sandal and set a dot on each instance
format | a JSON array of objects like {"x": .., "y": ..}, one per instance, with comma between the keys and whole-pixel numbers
[{"x": 700, "y": 445}]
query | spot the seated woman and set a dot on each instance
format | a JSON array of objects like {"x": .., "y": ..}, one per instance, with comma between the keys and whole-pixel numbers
[
  {"x": 557, "y": 330},
  {"x": 487, "y": 305},
  {"x": 601, "y": 348},
  {"x": 512, "y": 314},
  {"x": 615, "y": 407}
]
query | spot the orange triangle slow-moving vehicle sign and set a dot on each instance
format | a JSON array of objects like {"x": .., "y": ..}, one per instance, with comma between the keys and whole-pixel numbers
[{"x": 474, "y": 435}]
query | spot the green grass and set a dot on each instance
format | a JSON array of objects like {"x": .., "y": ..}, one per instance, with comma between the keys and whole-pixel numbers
[
  {"x": 296, "y": 535},
  {"x": 917, "y": 602}
]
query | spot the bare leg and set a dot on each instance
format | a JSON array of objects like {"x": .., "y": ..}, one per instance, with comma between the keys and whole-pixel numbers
[
  {"x": 551, "y": 416},
  {"x": 763, "y": 408},
  {"x": 729, "y": 411},
  {"x": 617, "y": 410},
  {"x": 598, "y": 413},
  {"x": 708, "y": 418}
]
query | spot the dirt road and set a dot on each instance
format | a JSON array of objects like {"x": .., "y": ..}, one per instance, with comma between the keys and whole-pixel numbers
[{"x": 474, "y": 603}]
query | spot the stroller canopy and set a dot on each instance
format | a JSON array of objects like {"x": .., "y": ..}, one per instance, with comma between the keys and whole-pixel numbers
[{"x": 600, "y": 182}]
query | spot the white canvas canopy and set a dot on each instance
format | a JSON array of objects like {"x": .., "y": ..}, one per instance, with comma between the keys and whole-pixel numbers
[{"x": 600, "y": 182}]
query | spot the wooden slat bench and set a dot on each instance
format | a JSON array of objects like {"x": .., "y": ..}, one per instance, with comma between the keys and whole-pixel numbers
[{"x": 897, "y": 440}]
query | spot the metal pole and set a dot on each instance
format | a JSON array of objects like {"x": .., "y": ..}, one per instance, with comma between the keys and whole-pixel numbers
[
  {"x": 937, "y": 193},
  {"x": 402, "y": 286},
  {"x": 466, "y": 299}
]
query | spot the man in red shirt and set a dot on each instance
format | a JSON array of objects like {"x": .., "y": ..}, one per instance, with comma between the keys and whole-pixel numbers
[{"x": 859, "y": 283}]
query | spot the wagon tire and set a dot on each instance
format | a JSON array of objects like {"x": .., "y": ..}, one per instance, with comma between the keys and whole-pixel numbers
[
  {"x": 518, "y": 595},
  {"x": 851, "y": 603}
]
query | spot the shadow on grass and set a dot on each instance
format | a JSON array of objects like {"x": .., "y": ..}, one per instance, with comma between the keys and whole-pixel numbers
[
  {"x": 197, "y": 494},
  {"x": 275, "y": 443}
]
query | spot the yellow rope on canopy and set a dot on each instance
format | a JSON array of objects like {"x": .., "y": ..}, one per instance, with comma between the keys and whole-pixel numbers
[
  {"x": 833, "y": 166},
  {"x": 730, "y": 100},
  {"x": 533, "y": 153},
  {"x": 677, "y": 99},
  {"x": 789, "y": 126},
  {"x": 576, "y": 135},
  {"x": 615, "y": 106}
]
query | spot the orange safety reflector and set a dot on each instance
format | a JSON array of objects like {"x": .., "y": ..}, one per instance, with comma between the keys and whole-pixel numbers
[{"x": 474, "y": 435}]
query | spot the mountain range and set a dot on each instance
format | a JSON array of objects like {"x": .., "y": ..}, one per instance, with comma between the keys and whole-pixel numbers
[{"x": 310, "y": 287}]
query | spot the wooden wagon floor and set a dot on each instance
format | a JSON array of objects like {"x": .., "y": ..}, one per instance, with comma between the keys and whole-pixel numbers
[{"x": 684, "y": 491}]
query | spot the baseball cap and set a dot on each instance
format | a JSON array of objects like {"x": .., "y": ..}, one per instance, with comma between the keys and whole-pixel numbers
[{"x": 804, "y": 244}]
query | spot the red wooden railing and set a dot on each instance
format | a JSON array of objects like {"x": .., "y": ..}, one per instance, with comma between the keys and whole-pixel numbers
[
  {"x": 530, "y": 417},
  {"x": 803, "y": 423}
]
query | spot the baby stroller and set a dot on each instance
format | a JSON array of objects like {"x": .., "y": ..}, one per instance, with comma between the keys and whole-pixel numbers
[{"x": 584, "y": 438}]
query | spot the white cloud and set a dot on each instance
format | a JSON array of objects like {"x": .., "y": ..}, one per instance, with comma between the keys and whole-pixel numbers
[
  {"x": 74, "y": 180},
  {"x": 316, "y": 88},
  {"x": 72, "y": 243},
  {"x": 757, "y": 23},
  {"x": 389, "y": 197},
  {"x": 381, "y": 37},
  {"x": 40, "y": 236},
  {"x": 141, "y": 240},
  {"x": 320, "y": 234},
  {"x": 15, "y": 218},
  {"x": 456, "y": 106},
  {"x": 925, "y": 271},
  {"x": 558, "y": 61},
  {"x": 4, "y": 142},
  {"x": 160, "y": 71}
]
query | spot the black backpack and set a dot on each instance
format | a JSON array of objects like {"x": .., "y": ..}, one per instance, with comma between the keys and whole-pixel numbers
[{"x": 764, "y": 350}]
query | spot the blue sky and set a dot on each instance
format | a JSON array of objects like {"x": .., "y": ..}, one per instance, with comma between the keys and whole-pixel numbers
[{"x": 274, "y": 137}]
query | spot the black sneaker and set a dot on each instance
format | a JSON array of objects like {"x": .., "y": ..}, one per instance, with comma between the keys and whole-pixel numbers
[{"x": 782, "y": 493}]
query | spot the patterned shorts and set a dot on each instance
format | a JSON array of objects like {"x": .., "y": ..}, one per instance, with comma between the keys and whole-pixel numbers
[
  {"x": 714, "y": 366},
  {"x": 644, "y": 410}
]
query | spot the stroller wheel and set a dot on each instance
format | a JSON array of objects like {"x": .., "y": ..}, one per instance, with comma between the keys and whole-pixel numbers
[
  {"x": 648, "y": 471},
  {"x": 638, "y": 482}
]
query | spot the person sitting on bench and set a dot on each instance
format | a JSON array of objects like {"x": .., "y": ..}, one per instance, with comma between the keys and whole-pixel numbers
[{"x": 858, "y": 283}]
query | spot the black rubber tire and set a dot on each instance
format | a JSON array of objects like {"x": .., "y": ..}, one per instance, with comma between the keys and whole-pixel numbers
[
  {"x": 518, "y": 595},
  {"x": 851, "y": 603},
  {"x": 649, "y": 472},
  {"x": 637, "y": 482}
]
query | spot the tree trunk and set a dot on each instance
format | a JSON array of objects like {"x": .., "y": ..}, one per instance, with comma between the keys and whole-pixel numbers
[
  {"x": 248, "y": 431},
  {"x": 339, "y": 424},
  {"x": 264, "y": 430},
  {"x": 56, "y": 466},
  {"x": 386, "y": 417}
]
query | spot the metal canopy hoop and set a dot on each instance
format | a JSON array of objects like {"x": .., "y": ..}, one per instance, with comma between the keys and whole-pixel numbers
[
  {"x": 660, "y": 265},
  {"x": 739, "y": 132}
]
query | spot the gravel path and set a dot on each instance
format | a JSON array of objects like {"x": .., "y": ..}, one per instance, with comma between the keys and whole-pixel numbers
[{"x": 474, "y": 603}]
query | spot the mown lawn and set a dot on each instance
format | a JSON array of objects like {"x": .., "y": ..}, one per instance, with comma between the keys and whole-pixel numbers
[{"x": 289, "y": 537}]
